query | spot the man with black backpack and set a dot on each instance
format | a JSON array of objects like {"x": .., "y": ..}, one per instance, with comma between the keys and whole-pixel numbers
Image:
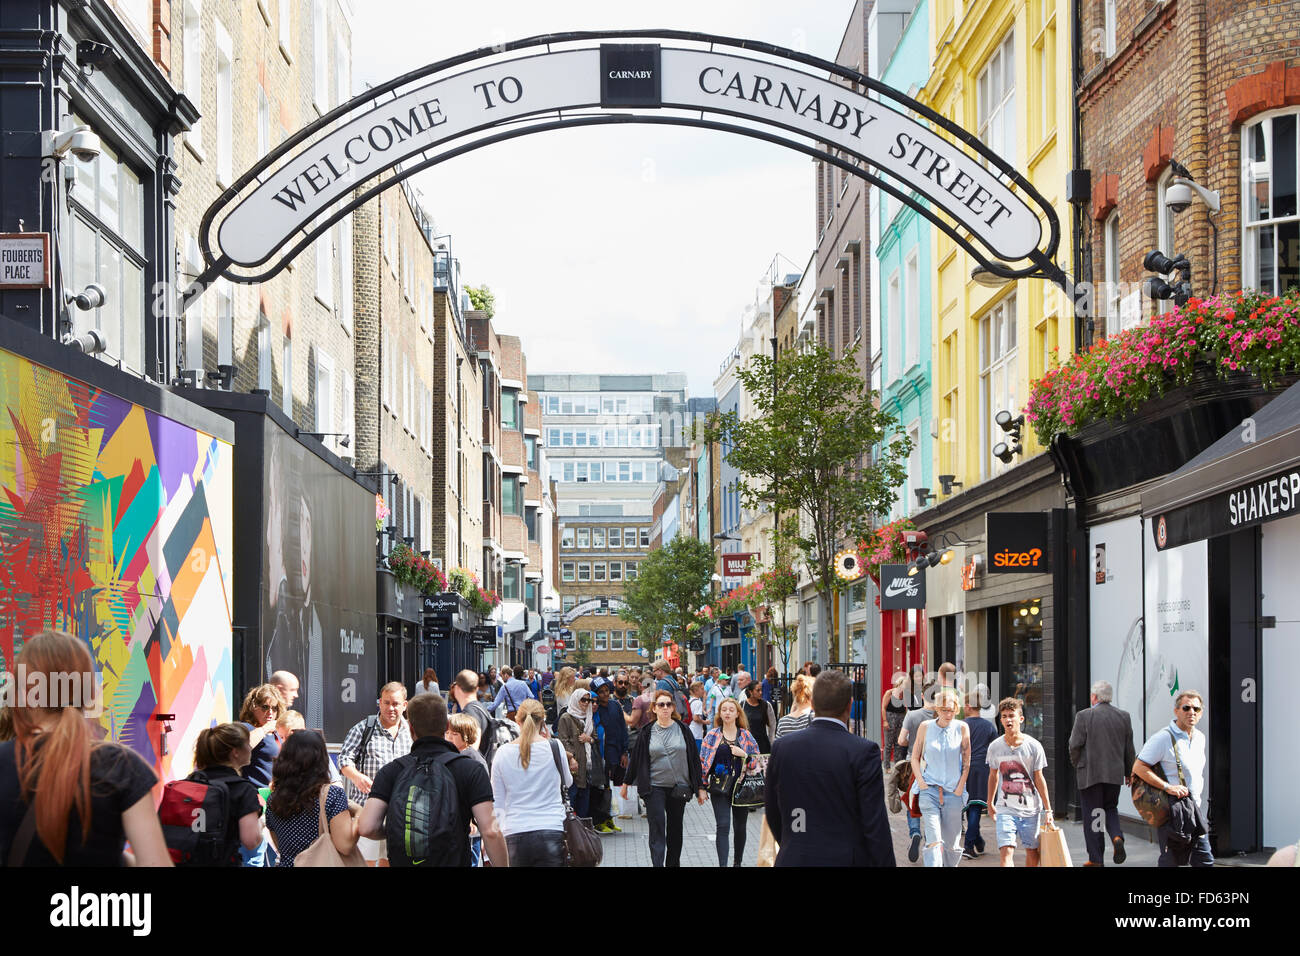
[{"x": 424, "y": 802}]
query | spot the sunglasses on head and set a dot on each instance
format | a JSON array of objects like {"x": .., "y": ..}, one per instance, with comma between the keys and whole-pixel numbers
[{"x": 1187, "y": 708}]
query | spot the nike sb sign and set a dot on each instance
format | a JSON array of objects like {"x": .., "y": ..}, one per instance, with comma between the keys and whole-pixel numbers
[{"x": 898, "y": 590}]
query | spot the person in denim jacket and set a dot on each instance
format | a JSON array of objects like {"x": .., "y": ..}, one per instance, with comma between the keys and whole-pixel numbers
[{"x": 726, "y": 747}]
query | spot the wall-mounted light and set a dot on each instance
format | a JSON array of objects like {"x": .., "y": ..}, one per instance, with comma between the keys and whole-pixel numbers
[
  {"x": 948, "y": 482},
  {"x": 923, "y": 495},
  {"x": 1011, "y": 425}
]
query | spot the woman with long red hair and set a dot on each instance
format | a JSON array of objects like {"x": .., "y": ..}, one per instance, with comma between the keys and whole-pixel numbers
[{"x": 67, "y": 798}]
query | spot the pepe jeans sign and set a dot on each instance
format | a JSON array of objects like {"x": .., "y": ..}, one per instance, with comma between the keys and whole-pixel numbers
[
  {"x": 898, "y": 591},
  {"x": 1277, "y": 496},
  {"x": 306, "y": 188}
]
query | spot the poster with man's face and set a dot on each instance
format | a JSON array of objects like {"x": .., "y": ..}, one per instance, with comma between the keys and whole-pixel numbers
[{"x": 318, "y": 617}]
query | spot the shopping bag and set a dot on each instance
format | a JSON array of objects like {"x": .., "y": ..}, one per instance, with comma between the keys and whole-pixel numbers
[
  {"x": 1052, "y": 848},
  {"x": 767, "y": 847}
]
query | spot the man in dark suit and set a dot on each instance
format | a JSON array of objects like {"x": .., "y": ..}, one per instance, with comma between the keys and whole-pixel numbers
[
  {"x": 1101, "y": 749},
  {"x": 825, "y": 788}
]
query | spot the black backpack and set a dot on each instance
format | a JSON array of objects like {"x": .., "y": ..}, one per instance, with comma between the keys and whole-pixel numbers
[
  {"x": 423, "y": 818},
  {"x": 494, "y": 733}
]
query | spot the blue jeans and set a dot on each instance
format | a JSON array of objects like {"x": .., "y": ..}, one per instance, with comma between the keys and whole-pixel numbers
[
  {"x": 941, "y": 824},
  {"x": 263, "y": 855},
  {"x": 1199, "y": 854},
  {"x": 977, "y": 785}
]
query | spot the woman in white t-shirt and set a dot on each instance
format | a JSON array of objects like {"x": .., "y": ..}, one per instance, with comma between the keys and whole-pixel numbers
[
  {"x": 429, "y": 685},
  {"x": 697, "y": 711},
  {"x": 526, "y": 784}
]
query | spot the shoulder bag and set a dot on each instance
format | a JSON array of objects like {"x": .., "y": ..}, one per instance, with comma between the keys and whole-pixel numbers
[
  {"x": 582, "y": 845},
  {"x": 751, "y": 786},
  {"x": 323, "y": 852},
  {"x": 1151, "y": 802},
  {"x": 722, "y": 784}
]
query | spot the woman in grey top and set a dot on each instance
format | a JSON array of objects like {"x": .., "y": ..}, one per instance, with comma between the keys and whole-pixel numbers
[{"x": 665, "y": 769}]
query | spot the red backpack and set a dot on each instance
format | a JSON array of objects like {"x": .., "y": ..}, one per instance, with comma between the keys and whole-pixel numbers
[{"x": 195, "y": 818}]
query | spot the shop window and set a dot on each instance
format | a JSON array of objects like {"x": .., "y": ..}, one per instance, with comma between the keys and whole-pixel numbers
[
  {"x": 997, "y": 378},
  {"x": 1021, "y": 659},
  {"x": 858, "y": 597},
  {"x": 1271, "y": 220},
  {"x": 1110, "y": 258},
  {"x": 995, "y": 101},
  {"x": 107, "y": 238}
]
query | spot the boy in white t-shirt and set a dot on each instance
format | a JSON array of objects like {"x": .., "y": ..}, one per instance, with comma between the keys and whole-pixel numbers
[
  {"x": 1017, "y": 789},
  {"x": 697, "y": 710}
]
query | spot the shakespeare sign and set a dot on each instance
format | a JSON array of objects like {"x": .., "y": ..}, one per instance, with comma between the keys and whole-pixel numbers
[{"x": 322, "y": 172}]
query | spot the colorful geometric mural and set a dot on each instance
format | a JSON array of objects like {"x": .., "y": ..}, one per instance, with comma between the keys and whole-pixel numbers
[{"x": 115, "y": 525}]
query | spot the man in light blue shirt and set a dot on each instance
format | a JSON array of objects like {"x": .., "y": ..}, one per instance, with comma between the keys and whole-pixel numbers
[
  {"x": 1179, "y": 744},
  {"x": 513, "y": 692}
]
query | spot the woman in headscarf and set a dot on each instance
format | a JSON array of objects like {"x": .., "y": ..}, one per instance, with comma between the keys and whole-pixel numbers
[{"x": 578, "y": 735}]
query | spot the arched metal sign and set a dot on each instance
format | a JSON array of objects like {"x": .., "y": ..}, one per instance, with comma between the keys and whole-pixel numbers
[
  {"x": 586, "y": 607},
  {"x": 558, "y": 81}
]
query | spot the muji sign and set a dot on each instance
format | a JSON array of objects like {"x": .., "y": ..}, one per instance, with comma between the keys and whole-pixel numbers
[{"x": 311, "y": 180}]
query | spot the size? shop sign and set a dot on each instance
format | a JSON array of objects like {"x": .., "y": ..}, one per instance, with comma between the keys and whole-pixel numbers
[
  {"x": 1017, "y": 542},
  {"x": 24, "y": 260}
]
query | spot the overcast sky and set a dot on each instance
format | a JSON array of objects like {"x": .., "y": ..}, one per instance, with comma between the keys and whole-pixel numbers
[{"x": 617, "y": 249}]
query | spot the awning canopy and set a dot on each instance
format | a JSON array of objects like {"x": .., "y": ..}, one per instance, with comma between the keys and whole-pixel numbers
[{"x": 1249, "y": 476}]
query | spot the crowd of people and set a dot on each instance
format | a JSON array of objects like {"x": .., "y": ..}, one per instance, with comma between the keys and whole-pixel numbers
[{"x": 488, "y": 773}]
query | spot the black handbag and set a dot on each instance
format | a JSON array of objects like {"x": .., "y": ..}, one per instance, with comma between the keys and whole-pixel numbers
[
  {"x": 582, "y": 844},
  {"x": 722, "y": 784}
]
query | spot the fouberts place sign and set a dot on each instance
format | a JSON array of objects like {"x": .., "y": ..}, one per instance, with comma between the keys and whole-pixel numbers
[
  {"x": 311, "y": 181},
  {"x": 1277, "y": 496}
]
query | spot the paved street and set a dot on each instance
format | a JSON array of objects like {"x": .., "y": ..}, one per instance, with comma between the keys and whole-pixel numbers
[{"x": 631, "y": 847}]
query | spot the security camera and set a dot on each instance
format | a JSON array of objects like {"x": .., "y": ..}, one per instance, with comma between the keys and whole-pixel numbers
[
  {"x": 91, "y": 297},
  {"x": 79, "y": 141},
  {"x": 1178, "y": 197},
  {"x": 1182, "y": 192}
]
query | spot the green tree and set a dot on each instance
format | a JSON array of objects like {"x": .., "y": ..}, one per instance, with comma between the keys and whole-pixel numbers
[
  {"x": 808, "y": 451},
  {"x": 780, "y": 582},
  {"x": 672, "y": 584},
  {"x": 482, "y": 299}
]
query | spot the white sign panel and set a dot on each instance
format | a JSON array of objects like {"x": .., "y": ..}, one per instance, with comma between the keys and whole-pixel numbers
[
  {"x": 415, "y": 124},
  {"x": 1279, "y": 544},
  {"x": 24, "y": 260},
  {"x": 834, "y": 114},
  {"x": 396, "y": 130},
  {"x": 1115, "y": 623},
  {"x": 1177, "y": 632}
]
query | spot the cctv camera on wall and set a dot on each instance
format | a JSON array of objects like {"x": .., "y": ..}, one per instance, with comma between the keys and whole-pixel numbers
[
  {"x": 1181, "y": 193},
  {"x": 79, "y": 141}
]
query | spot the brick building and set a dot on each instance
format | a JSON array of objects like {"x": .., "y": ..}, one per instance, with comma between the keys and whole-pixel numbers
[
  {"x": 1213, "y": 86},
  {"x": 259, "y": 71}
]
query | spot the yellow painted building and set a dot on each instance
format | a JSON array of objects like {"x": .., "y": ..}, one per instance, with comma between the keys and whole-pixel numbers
[{"x": 1000, "y": 69}]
